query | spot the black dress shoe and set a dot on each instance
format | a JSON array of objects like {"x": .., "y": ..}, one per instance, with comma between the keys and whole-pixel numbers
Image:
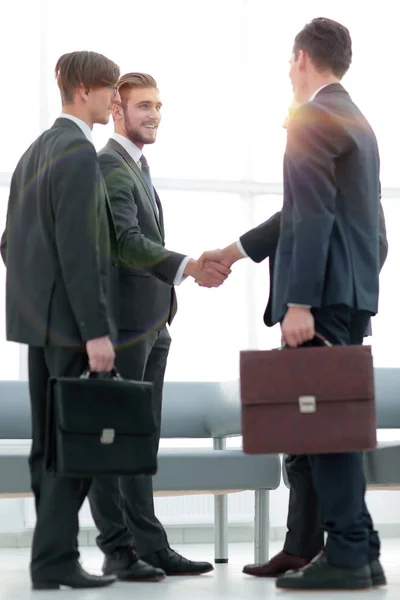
[
  {"x": 320, "y": 575},
  {"x": 125, "y": 564},
  {"x": 377, "y": 573},
  {"x": 78, "y": 578},
  {"x": 173, "y": 563}
]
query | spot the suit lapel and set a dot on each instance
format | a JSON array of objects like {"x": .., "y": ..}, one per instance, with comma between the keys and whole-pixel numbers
[
  {"x": 134, "y": 167},
  {"x": 160, "y": 213}
]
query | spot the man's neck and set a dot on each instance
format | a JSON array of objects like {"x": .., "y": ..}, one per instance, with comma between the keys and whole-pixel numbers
[
  {"x": 74, "y": 111},
  {"x": 124, "y": 134}
]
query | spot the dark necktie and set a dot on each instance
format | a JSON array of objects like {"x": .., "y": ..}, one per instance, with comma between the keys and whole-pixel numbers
[{"x": 144, "y": 167}]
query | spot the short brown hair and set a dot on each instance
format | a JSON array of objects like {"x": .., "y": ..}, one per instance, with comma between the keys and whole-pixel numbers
[
  {"x": 328, "y": 43},
  {"x": 91, "y": 69},
  {"x": 130, "y": 81}
]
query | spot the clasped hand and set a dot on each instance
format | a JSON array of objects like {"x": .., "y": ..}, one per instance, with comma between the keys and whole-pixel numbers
[
  {"x": 214, "y": 266},
  {"x": 208, "y": 272}
]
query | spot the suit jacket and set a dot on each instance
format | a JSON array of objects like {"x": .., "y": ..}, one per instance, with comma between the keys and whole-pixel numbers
[
  {"x": 328, "y": 249},
  {"x": 146, "y": 296},
  {"x": 261, "y": 242},
  {"x": 58, "y": 243}
]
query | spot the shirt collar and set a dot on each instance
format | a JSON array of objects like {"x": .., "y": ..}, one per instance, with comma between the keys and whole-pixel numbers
[
  {"x": 318, "y": 90},
  {"x": 134, "y": 152},
  {"x": 84, "y": 127}
]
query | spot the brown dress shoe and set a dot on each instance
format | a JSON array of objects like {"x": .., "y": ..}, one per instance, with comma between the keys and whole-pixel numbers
[{"x": 278, "y": 565}]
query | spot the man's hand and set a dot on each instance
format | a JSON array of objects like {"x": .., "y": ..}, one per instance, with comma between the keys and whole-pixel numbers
[
  {"x": 213, "y": 274},
  {"x": 227, "y": 256},
  {"x": 298, "y": 326},
  {"x": 101, "y": 354}
]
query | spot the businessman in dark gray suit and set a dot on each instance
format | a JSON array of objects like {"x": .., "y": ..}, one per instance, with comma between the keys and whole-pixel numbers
[
  {"x": 123, "y": 508},
  {"x": 58, "y": 248}
]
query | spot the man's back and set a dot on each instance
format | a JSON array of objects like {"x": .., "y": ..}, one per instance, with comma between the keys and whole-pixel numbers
[
  {"x": 56, "y": 244},
  {"x": 328, "y": 251}
]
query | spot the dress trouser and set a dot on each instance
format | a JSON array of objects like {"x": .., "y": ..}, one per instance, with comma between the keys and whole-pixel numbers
[
  {"x": 123, "y": 507},
  {"x": 329, "y": 489},
  {"x": 57, "y": 499}
]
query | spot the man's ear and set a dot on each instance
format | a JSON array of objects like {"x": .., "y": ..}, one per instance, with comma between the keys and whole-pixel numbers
[
  {"x": 116, "y": 112},
  {"x": 83, "y": 92},
  {"x": 302, "y": 60}
]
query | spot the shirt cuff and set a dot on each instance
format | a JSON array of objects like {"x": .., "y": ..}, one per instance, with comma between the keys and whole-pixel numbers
[
  {"x": 179, "y": 277},
  {"x": 241, "y": 249},
  {"x": 299, "y": 305}
]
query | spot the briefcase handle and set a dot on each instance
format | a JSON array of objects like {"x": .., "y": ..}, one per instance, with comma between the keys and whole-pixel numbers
[
  {"x": 88, "y": 374},
  {"x": 317, "y": 335}
]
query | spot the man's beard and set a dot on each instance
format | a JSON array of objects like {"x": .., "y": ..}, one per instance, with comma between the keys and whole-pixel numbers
[{"x": 133, "y": 133}]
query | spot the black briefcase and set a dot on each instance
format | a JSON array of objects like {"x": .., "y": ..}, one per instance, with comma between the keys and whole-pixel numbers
[{"x": 100, "y": 425}]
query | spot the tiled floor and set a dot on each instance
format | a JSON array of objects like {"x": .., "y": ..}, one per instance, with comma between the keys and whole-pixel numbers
[{"x": 226, "y": 582}]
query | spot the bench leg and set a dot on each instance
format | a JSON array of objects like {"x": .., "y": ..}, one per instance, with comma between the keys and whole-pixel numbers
[
  {"x": 261, "y": 527},
  {"x": 220, "y": 517},
  {"x": 221, "y": 529}
]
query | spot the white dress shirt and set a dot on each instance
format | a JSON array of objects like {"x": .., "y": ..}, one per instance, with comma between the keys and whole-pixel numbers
[
  {"x": 84, "y": 127},
  {"x": 136, "y": 153}
]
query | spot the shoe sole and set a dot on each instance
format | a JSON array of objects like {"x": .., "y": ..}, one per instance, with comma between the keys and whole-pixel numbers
[
  {"x": 354, "y": 587},
  {"x": 46, "y": 585},
  {"x": 126, "y": 578},
  {"x": 378, "y": 582},
  {"x": 185, "y": 574},
  {"x": 50, "y": 585},
  {"x": 264, "y": 575}
]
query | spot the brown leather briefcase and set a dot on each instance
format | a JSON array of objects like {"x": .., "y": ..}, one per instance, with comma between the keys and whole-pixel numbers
[{"x": 310, "y": 400}]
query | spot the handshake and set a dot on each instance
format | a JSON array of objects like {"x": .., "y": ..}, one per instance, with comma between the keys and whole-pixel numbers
[{"x": 213, "y": 266}]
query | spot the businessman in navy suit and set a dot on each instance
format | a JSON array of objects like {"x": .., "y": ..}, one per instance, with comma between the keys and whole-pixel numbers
[
  {"x": 326, "y": 276},
  {"x": 325, "y": 279}
]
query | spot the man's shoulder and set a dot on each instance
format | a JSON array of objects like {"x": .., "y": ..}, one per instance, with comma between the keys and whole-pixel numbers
[
  {"x": 54, "y": 146},
  {"x": 343, "y": 112},
  {"x": 114, "y": 167},
  {"x": 309, "y": 117},
  {"x": 109, "y": 154},
  {"x": 326, "y": 113},
  {"x": 66, "y": 142}
]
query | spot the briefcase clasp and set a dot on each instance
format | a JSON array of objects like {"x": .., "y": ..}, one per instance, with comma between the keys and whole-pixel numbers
[
  {"x": 307, "y": 404},
  {"x": 107, "y": 436}
]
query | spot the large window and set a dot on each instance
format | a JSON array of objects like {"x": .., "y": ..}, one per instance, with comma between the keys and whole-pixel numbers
[
  {"x": 211, "y": 325},
  {"x": 20, "y": 49},
  {"x": 384, "y": 339},
  {"x": 222, "y": 70},
  {"x": 9, "y": 352}
]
